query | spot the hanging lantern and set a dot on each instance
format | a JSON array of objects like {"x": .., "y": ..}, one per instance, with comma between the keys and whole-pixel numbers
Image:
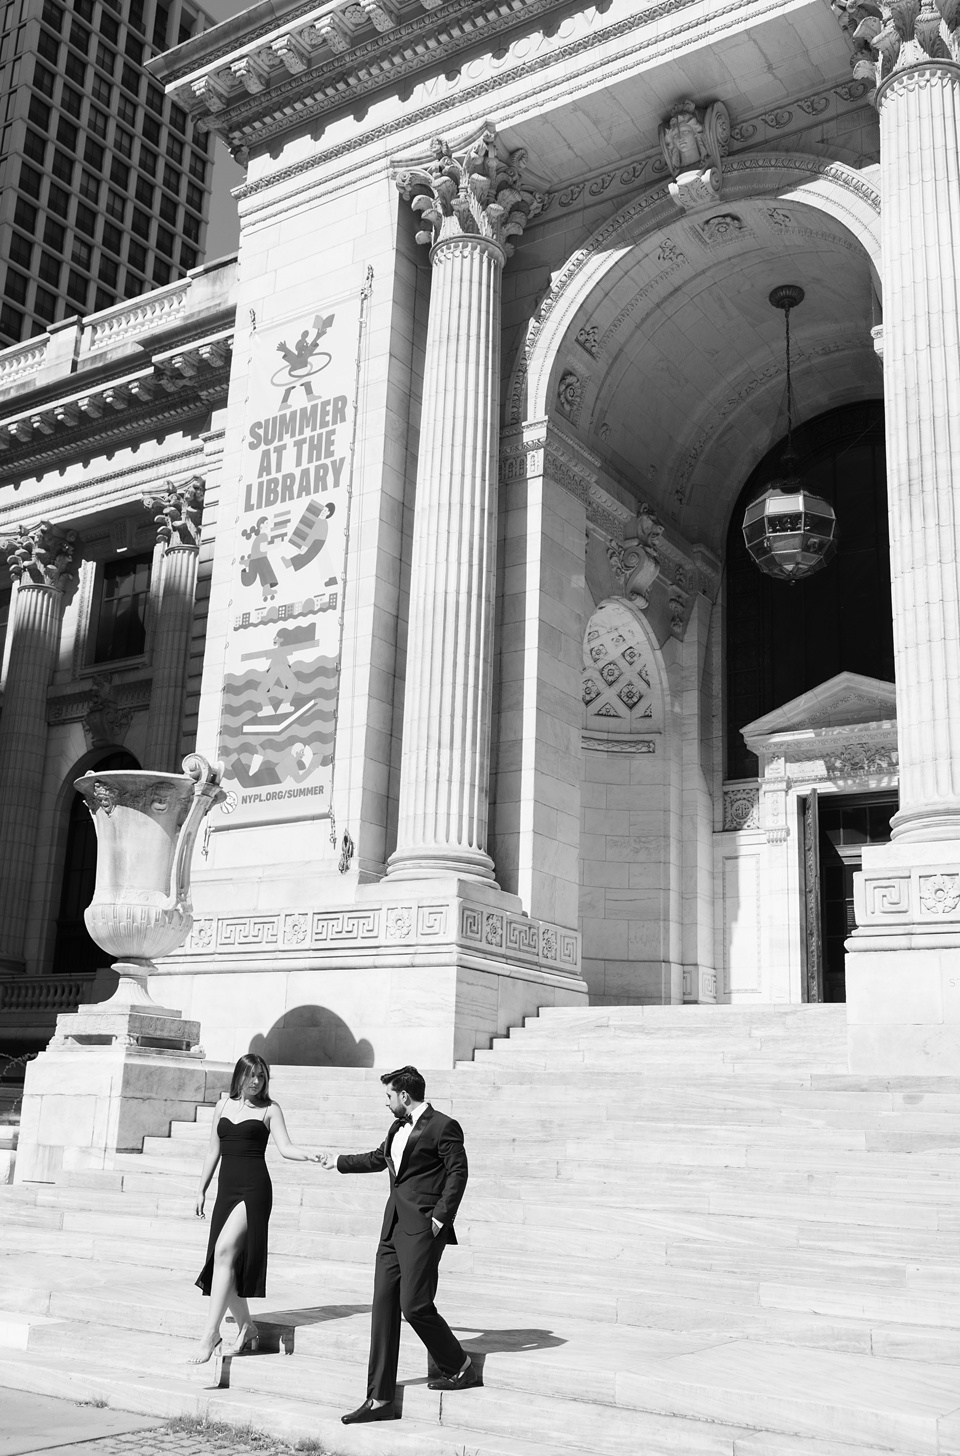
[{"x": 788, "y": 530}]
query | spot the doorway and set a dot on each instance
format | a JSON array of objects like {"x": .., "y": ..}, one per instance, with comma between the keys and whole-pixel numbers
[{"x": 836, "y": 827}]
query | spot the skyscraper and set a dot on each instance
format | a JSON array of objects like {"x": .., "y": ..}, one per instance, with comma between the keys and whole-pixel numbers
[{"x": 104, "y": 183}]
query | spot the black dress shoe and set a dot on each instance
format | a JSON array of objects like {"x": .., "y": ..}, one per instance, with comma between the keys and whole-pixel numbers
[
  {"x": 463, "y": 1381},
  {"x": 370, "y": 1412}
]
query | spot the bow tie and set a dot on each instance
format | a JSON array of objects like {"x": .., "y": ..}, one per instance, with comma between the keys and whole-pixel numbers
[{"x": 405, "y": 1121}]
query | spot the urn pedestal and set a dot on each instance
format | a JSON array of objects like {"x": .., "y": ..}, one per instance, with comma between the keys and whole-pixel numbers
[{"x": 122, "y": 1070}]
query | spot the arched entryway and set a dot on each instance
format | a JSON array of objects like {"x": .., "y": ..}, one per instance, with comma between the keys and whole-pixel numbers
[{"x": 75, "y": 954}]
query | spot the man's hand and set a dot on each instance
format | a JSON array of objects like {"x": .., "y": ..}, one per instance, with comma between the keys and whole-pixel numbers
[{"x": 328, "y": 1162}]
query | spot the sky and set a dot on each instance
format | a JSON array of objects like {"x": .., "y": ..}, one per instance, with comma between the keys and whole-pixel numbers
[{"x": 224, "y": 230}]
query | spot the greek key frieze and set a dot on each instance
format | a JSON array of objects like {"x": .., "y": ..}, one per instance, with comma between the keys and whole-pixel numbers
[{"x": 246, "y": 931}]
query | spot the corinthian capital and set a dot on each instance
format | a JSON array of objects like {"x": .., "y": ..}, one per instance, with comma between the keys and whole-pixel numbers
[
  {"x": 473, "y": 192},
  {"x": 179, "y": 512},
  {"x": 889, "y": 35},
  {"x": 41, "y": 555}
]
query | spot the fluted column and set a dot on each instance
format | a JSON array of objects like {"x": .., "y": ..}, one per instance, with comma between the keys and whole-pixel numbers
[
  {"x": 918, "y": 97},
  {"x": 42, "y": 561},
  {"x": 471, "y": 204},
  {"x": 178, "y": 514}
]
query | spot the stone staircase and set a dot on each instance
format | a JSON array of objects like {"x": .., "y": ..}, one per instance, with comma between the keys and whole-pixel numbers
[{"x": 688, "y": 1230}]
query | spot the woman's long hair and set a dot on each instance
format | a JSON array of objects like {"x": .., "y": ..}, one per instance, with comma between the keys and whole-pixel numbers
[{"x": 248, "y": 1063}]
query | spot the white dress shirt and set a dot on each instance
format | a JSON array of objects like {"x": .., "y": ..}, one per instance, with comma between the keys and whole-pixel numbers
[{"x": 401, "y": 1136}]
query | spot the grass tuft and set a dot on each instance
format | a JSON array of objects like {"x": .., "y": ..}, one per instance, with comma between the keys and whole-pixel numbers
[{"x": 224, "y": 1436}]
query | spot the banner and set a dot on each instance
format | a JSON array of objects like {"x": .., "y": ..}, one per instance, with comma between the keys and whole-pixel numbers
[{"x": 282, "y": 665}]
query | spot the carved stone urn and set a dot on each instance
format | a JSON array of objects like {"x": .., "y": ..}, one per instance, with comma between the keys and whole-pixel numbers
[{"x": 147, "y": 825}]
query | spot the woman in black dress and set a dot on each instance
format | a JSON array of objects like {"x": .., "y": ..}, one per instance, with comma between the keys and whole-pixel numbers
[{"x": 236, "y": 1267}]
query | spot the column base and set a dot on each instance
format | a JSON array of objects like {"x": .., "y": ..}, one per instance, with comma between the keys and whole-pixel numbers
[
  {"x": 422, "y": 972},
  {"x": 903, "y": 960},
  {"x": 83, "y": 1105},
  {"x": 419, "y": 864}
]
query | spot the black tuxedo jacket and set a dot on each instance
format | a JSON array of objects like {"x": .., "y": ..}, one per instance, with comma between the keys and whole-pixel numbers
[{"x": 430, "y": 1180}]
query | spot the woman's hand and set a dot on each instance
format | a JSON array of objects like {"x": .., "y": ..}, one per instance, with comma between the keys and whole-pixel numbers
[{"x": 198, "y": 1208}]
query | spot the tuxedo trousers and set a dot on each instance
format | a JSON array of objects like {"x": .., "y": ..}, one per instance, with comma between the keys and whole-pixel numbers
[{"x": 405, "y": 1283}]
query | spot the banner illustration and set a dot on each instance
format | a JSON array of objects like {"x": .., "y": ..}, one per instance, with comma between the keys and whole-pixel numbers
[{"x": 282, "y": 668}]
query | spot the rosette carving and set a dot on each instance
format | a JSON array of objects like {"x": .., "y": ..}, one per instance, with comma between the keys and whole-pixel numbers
[{"x": 474, "y": 192}]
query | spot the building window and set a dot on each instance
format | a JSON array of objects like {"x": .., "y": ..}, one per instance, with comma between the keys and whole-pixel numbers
[
  {"x": 174, "y": 149},
  {"x": 78, "y": 289},
  {"x": 71, "y": 100},
  {"x": 148, "y": 161},
  {"x": 144, "y": 192},
  {"x": 86, "y": 220},
  {"x": 130, "y": 78},
  {"x": 97, "y": 122},
  {"x": 44, "y": 304},
  {"x": 140, "y": 224},
  {"x": 81, "y": 253},
  {"x": 112, "y": 238},
  {"x": 198, "y": 167},
  {"x": 21, "y": 251},
  {"x": 84, "y": 9},
  {"x": 151, "y": 130},
  {"x": 58, "y": 200},
  {"x": 168, "y": 210},
  {"x": 133, "y": 286},
  {"x": 191, "y": 227},
  {"x": 126, "y": 110},
  {"x": 120, "y": 174},
  {"x": 109, "y": 272},
  {"x": 115, "y": 206},
  {"x": 39, "y": 113},
  {"x": 25, "y": 216},
  {"x": 103, "y": 300},
  {"x": 62, "y": 168},
  {"x": 75, "y": 69},
  {"x": 188, "y": 257},
  {"x": 49, "y": 47},
  {"x": 93, "y": 154},
  {"x": 16, "y": 286},
  {"x": 30, "y": 180},
  {"x": 52, "y": 15},
  {"x": 79, "y": 36},
  {"x": 155, "y": 99},
  {"x": 43, "y": 79},
  {"x": 49, "y": 269},
  {"x": 171, "y": 179},
  {"x": 11, "y": 322},
  {"x": 121, "y": 613},
  {"x": 134, "y": 49},
  {"x": 178, "y": 119},
  {"x": 123, "y": 142},
  {"x": 34, "y": 147},
  {"x": 89, "y": 187},
  {"x": 67, "y": 134},
  {"x": 136, "y": 14},
  {"x": 53, "y": 235},
  {"x": 161, "y": 272},
  {"x": 102, "y": 90},
  {"x": 108, "y": 26},
  {"x": 161, "y": 24},
  {"x": 106, "y": 58},
  {"x": 164, "y": 243},
  {"x": 137, "y": 256}
]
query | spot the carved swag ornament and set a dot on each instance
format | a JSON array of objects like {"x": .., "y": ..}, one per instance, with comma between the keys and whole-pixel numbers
[
  {"x": 636, "y": 562},
  {"x": 475, "y": 192},
  {"x": 42, "y": 555}
]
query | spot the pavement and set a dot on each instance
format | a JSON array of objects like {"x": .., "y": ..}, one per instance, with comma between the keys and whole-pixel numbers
[{"x": 55, "y": 1427}]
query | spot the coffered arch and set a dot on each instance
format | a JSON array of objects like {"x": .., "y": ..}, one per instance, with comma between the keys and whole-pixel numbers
[{"x": 657, "y": 343}]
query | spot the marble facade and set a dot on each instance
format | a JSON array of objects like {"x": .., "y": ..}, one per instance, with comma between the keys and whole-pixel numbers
[{"x": 500, "y": 362}]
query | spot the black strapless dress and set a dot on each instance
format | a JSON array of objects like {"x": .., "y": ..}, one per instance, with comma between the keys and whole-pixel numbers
[{"x": 243, "y": 1179}]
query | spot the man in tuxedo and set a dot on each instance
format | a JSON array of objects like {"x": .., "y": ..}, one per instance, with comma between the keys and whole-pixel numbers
[{"x": 424, "y": 1155}]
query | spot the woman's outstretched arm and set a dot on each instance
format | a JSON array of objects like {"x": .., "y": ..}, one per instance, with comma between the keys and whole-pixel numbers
[
  {"x": 211, "y": 1160},
  {"x": 286, "y": 1149}
]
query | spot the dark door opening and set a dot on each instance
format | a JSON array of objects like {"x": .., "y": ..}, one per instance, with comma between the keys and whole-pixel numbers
[{"x": 836, "y": 827}]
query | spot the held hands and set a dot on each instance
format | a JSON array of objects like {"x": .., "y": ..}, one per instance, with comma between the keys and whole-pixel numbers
[{"x": 328, "y": 1162}]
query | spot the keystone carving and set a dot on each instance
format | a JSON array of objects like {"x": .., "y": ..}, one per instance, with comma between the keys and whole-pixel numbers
[
  {"x": 41, "y": 556},
  {"x": 475, "y": 192},
  {"x": 694, "y": 141},
  {"x": 105, "y": 721},
  {"x": 888, "y": 37},
  {"x": 180, "y": 512},
  {"x": 636, "y": 562}
]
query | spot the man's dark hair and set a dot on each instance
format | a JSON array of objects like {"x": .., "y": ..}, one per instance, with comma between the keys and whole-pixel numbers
[{"x": 406, "y": 1079}]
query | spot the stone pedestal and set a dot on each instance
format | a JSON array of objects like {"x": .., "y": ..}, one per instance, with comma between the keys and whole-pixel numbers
[
  {"x": 83, "y": 1105},
  {"x": 904, "y": 1012}
]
